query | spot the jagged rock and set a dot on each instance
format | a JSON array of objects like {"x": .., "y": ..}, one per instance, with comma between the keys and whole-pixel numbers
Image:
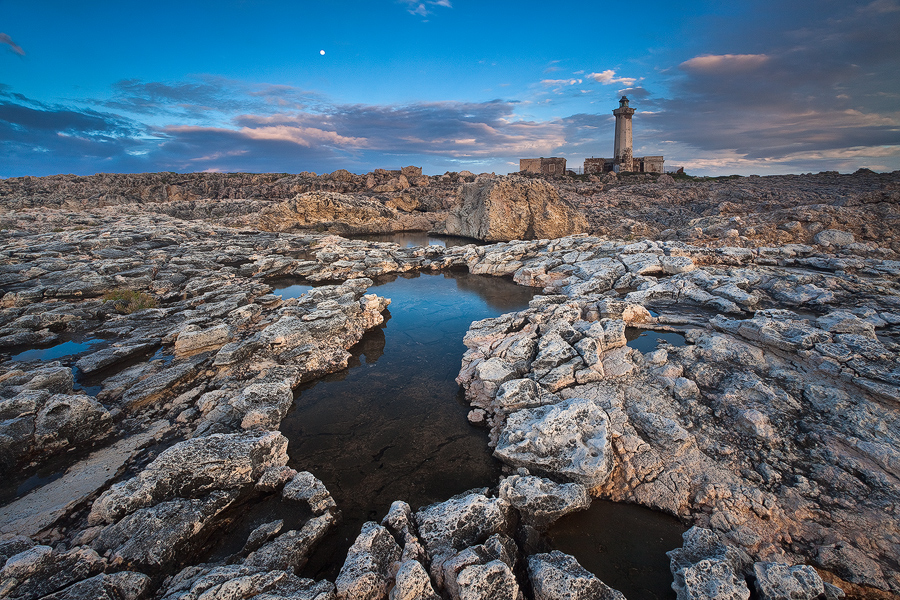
[
  {"x": 775, "y": 581},
  {"x": 513, "y": 208},
  {"x": 291, "y": 550},
  {"x": 558, "y": 576},
  {"x": 366, "y": 574},
  {"x": 194, "y": 339},
  {"x": 304, "y": 487},
  {"x": 40, "y": 571},
  {"x": 108, "y": 357},
  {"x": 705, "y": 568},
  {"x": 340, "y": 213},
  {"x": 193, "y": 467},
  {"x": 462, "y": 521},
  {"x": 480, "y": 580},
  {"x": 157, "y": 537},
  {"x": 412, "y": 583},
  {"x": 124, "y": 585},
  {"x": 242, "y": 581},
  {"x": 541, "y": 501},
  {"x": 569, "y": 440}
]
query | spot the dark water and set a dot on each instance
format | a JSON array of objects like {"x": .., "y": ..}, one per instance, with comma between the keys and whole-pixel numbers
[
  {"x": 392, "y": 426},
  {"x": 648, "y": 340},
  {"x": 62, "y": 350},
  {"x": 622, "y": 544},
  {"x": 411, "y": 239}
]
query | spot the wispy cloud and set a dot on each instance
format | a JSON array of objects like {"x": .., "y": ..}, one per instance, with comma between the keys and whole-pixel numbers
[
  {"x": 424, "y": 8},
  {"x": 5, "y": 39},
  {"x": 608, "y": 77},
  {"x": 725, "y": 63}
]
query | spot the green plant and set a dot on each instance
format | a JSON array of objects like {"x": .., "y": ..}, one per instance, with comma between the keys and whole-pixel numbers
[{"x": 128, "y": 301}]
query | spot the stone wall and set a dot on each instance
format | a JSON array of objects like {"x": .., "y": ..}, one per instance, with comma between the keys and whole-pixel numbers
[{"x": 543, "y": 166}]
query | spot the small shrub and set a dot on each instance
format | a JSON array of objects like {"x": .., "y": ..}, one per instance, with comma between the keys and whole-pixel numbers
[{"x": 128, "y": 301}]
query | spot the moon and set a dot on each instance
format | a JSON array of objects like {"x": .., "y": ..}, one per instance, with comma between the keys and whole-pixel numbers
[{"x": 322, "y": 52}]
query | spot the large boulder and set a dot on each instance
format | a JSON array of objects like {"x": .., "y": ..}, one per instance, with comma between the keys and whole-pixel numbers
[
  {"x": 513, "y": 208},
  {"x": 558, "y": 576}
]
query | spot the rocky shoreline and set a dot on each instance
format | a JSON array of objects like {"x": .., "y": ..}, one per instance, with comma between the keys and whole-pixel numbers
[{"x": 774, "y": 430}]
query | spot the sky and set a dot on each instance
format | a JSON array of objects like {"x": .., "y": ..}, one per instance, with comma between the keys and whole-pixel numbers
[{"x": 745, "y": 86}]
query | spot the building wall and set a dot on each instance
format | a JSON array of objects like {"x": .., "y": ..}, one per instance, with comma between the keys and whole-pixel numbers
[
  {"x": 543, "y": 166},
  {"x": 652, "y": 164}
]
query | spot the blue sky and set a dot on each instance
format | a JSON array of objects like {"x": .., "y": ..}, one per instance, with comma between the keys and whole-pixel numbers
[{"x": 745, "y": 87}]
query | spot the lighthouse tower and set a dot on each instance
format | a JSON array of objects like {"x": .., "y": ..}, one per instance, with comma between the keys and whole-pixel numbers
[{"x": 623, "y": 153}]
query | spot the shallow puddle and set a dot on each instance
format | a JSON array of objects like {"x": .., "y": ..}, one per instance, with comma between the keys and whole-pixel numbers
[
  {"x": 624, "y": 545},
  {"x": 411, "y": 239},
  {"x": 62, "y": 350},
  {"x": 392, "y": 427},
  {"x": 648, "y": 340}
]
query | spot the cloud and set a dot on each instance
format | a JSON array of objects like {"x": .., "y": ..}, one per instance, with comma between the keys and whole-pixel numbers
[
  {"x": 818, "y": 95},
  {"x": 724, "y": 63},
  {"x": 609, "y": 77},
  {"x": 5, "y": 39},
  {"x": 423, "y": 9}
]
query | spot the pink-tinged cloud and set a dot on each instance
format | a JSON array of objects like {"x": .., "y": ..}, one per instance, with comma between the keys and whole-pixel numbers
[
  {"x": 725, "y": 63},
  {"x": 303, "y": 136},
  {"x": 5, "y": 39},
  {"x": 559, "y": 82},
  {"x": 609, "y": 77}
]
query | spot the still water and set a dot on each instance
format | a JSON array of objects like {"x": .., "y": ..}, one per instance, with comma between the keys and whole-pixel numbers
[
  {"x": 391, "y": 427},
  {"x": 411, "y": 239}
]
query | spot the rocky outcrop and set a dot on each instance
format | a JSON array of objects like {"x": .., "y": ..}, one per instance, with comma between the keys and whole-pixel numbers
[
  {"x": 558, "y": 576},
  {"x": 513, "y": 208},
  {"x": 337, "y": 213}
]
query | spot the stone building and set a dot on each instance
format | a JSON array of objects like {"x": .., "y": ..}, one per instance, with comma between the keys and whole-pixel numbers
[
  {"x": 623, "y": 159},
  {"x": 543, "y": 166}
]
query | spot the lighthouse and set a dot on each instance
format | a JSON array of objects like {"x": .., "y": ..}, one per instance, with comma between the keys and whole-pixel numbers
[{"x": 623, "y": 152}]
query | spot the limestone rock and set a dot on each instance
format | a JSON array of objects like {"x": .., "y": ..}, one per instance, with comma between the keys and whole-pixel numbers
[
  {"x": 366, "y": 574},
  {"x": 336, "y": 212},
  {"x": 412, "y": 583},
  {"x": 157, "y": 537},
  {"x": 706, "y": 569},
  {"x": 305, "y": 487},
  {"x": 462, "y": 521},
  {"x": 192, "y": 467},
  {"x": 124, "y": 585},
  {"x": 558, "y": 576},
  {"x": 541, "y": 501},
  {"x": 775, "y": 581},
  {"x": 242, "y": 581},
  {"x": 834, "y": 237},
  {"x": 290, "y": 551},
  {"x": 513, "y": 208},
  {"x": 569, "y": 440},
  {"x": 40, "y": 571}
]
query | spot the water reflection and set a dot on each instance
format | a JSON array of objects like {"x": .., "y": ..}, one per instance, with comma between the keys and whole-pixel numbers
[
  {"x": 647, "y": 340},
  {"x": 65, "y": 349},
  {"x": 412, "y": 239},
  {"x": 624, "y": 545},
  {"x": 392, "y": 428}
]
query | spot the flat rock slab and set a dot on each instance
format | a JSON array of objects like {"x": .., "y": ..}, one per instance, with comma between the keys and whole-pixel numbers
[{"x": 41, "y": 508}]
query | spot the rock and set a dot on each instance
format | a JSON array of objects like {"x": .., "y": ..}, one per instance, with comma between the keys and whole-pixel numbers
[
  {"x": 464, "y": 520},
  {"x": 541, "y": 501},
  {"x": 193, "y": 339},
  {"x": 834, "y": 237},
  {"x": 513, "y": 208},
  {"x": 493, "y": 581},
  {"x": 41, "y": 571},
  {"x": 569, "y": 440},
  {"x": 108, "y": 357},
  {"x": 776, "y": 581},
  {"x": 304, "y": 487},
  {"x": 558, "y": 576},
  {"x": 193, "y": 467},
  {"x": 124, "y": 585},
  {"x": 242, "y": 581},
  {"x": 366, "y": 574},
  {"x": 340, "y": 213},
  {"x": 705, "y": 568},
  {"x": 290, "y": 551},
  {"x": 158, "y": 537},
  {"x": 66, "y": 421},
  {"x": 412, "y": 583}
]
